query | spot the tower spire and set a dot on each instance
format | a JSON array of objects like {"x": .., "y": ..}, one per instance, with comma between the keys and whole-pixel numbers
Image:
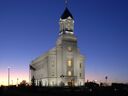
[{"x": 66, "y": 21}]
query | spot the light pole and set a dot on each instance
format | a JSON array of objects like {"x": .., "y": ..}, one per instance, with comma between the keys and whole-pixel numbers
[
  {"x": 8, "y": 76},
  {"x": 17, "y": 81}
]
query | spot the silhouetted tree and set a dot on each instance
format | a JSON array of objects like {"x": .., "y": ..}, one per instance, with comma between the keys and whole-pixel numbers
[
  {"x": 40, "y": 83},
  {"x": 23, "y": 83},
  {"x": 91, "y": 85},
  {"x": 33, "y": 81},
  {"x": 61, "y": 83},
  {"x": 106, "y": 78}
]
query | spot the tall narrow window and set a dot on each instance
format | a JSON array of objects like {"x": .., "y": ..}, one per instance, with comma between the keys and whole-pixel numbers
[
  {"x": 69, "y": 63},
  {"x": 69, "y": 73},
  {"x": 80, "y": 65}
]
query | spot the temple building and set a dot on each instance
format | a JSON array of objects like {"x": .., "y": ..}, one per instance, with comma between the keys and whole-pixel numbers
[{"x": 63, "y": 65}]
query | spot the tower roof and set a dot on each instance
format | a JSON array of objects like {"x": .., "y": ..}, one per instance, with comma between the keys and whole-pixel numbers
[{"x": 66, "y": 14}]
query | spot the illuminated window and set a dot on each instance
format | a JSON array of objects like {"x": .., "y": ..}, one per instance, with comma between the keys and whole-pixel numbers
[
  {"x": 69, "y": 26},
  {"x": 69, "y": 73},
  {"x": 69, "y": 49},
  {"x": 52, "y": 82},
  {"x": 69, "y": 63}
]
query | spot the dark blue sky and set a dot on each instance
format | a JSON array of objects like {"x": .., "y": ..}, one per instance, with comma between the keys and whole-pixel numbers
[{"x": 29, "y": 28}]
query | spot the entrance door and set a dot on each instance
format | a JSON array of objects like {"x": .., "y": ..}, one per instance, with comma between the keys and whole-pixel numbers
[{"x": 71, "y": 83}]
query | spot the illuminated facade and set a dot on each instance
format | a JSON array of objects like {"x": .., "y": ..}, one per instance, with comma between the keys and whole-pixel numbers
[{"x": 63, "y": 64}]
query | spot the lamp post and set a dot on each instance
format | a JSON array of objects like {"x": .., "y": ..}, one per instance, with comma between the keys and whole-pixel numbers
[
  {"x": 8, "y": 76},
  {"x": 106, "y": 78},
  {"x": 17, "y": 81}
]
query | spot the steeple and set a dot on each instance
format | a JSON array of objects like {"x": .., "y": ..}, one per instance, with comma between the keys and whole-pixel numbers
[
  {"x": 66, "y": 22},
  {"x": 66, "y": 14}
]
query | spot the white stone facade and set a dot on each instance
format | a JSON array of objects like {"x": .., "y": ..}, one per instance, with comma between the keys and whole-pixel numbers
[{"x": 62, "y": 65}]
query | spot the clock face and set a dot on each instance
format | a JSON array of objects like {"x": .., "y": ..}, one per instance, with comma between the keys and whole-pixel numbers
[{"x": 69, "y": 48}]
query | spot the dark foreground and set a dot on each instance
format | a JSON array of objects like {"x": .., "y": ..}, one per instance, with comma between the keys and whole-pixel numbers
[{"x": 87, "y": 90}]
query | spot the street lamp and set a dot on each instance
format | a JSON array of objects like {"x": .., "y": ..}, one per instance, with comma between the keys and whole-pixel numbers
[
  {"x": 17, "y": 81},
  {"x": 8, "y": 76}
]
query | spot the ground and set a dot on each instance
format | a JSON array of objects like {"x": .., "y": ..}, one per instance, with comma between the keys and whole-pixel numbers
[{"x": 91, "y": 89}]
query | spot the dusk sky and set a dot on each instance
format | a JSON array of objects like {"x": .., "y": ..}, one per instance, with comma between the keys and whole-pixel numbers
[{"x": 29, "y": 28}]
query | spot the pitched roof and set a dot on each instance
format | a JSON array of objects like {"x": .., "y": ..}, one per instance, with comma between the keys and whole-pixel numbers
[{"x": 66, "y": 14}]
